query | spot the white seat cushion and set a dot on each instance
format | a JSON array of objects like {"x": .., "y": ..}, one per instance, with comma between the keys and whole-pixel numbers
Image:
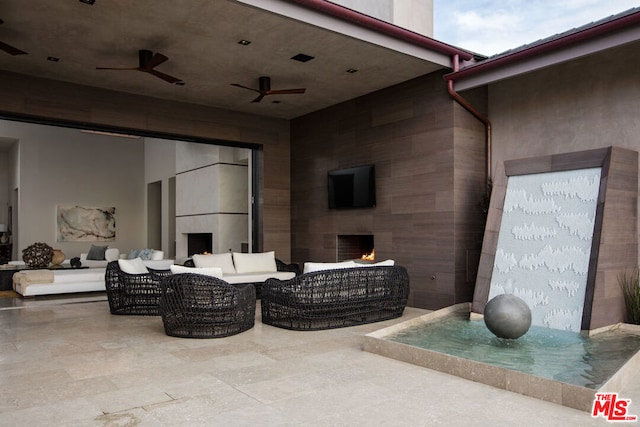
[
  {"x": 132, "y": 266},
  {"x": 385, "y": 263},
  {"x": 235, "y": 279},
  {"x": 263, "y": 262},
  {"x": 310, "y": 267},
  {"x": 205, "y": 271},
  {"x": 111, "y": 254},
  {"x": 78, "y": 275},
  {"x": 223, "y": 261}
]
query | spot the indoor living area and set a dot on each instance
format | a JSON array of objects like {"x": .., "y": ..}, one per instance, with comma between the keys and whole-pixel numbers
[{"x": 177, "y": 197}]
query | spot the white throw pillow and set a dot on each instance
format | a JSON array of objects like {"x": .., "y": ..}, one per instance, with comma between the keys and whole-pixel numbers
[
  {"x": 223, "y": 261},
  {"x": 264, "y": 262},
  {"x": 111, "y": 254},
  {"x": 205, "y": 271},
  {"x": 157, "y": 255},
  {"x": 310, "y": 267},
  {"x": 132, "y": 266}
]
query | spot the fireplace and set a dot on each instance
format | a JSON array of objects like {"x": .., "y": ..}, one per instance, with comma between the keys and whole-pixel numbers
[
  {"x": 198, "y": 243},
  {"x": 354, "y": 246}
]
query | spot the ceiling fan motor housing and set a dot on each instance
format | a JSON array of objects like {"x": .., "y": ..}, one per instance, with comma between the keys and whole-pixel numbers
[
  {"x": 144, "y": 56},
  {"x": 265, "y": 84}
]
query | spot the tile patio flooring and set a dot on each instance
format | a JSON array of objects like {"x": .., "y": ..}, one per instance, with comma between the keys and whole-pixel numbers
[{"x": 68, "y": 362}]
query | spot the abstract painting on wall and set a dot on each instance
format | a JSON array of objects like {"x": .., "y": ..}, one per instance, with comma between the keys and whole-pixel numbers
[{"x": 86, "y": 224}]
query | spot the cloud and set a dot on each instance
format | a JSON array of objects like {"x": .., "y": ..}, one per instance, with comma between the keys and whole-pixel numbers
[{"x": 499, "y": 20}]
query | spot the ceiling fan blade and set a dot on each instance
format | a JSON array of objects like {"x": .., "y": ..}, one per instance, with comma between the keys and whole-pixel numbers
[
  {"x": 155, "y": 60},
  {"x": 245, "y": 87},
  {"x": 259, "y": 98},
  {"x": 285, "y": 91},
  {"x": 265, "y": 89},
  {"x": 11, "y": 50},
  {"x": 163, "y": 76}
]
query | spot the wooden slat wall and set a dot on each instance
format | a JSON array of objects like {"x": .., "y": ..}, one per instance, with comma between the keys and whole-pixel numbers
[
  {"x": 53, "y": 100},
  {"x": 429, "y": 158},
  {"x": 618, "y": 249}
]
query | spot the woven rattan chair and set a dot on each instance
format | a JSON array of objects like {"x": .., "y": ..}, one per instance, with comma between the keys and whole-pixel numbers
[
  {"x": 197, "y": 306},
  {"x": 133, "y": 294},
  {"x": 335, "y": 298}
]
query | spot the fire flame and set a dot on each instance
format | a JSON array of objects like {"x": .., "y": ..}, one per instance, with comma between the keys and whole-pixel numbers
[{"x": 370, "y": 257}]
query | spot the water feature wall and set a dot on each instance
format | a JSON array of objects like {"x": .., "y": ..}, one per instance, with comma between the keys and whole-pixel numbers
[
  {"x": 560, "y": 230},
  {"x": 545, "y": 244}
]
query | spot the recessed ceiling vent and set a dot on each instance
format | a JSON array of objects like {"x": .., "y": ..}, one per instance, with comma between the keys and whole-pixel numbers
[{"x": 301, "y": 57}]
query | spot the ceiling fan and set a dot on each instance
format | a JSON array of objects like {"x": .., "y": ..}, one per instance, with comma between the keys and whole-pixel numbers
[
  {"x": 147, "y": 62},
  {"x": 10, "y": 49},
  {"x": 265, "y": 89}
]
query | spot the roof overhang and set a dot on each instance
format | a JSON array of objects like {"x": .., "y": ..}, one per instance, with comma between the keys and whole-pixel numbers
[
  {"x": 353, "y": 54},
  {"x": 348, "y": 22},
  {"x": 588, "y": 40}
]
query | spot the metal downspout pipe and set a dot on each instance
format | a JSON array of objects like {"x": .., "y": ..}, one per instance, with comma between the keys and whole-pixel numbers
[{"x": 477, "y": 114}]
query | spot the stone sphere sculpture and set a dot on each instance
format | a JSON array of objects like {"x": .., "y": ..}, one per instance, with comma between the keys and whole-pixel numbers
[
  {"x": 37, "y": 255},
  {"x": 507, "y": 316}
]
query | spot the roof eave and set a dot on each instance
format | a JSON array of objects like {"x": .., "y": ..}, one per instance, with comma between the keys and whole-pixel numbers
[
  {"x": 383, "y": 27},
  {"x": 327, "y": 15},
  {"x": 616, "y": 32}
]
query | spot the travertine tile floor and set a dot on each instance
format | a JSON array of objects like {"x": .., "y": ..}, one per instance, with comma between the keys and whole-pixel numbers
[{"x": 68, "y": 362}]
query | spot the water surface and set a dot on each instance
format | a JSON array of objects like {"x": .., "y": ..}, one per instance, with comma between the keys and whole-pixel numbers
[{"x": 563, "y": 356}]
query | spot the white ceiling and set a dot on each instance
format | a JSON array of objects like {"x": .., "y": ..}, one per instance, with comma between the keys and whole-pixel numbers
[{"x": 200, "y": 38}]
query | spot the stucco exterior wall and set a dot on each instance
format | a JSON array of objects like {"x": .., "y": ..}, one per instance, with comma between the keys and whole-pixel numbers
[
  {"x": 414, "y": 15},
  {"x": 592, "y": 102},
  {"x": 588, "y": 103}
]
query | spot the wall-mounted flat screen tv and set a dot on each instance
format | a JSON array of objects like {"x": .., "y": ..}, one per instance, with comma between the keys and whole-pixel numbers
[{"x": 352, "y": 188}]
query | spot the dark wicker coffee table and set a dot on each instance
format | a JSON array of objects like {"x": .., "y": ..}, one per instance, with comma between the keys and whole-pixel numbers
[{"x": 197, "y": 306}]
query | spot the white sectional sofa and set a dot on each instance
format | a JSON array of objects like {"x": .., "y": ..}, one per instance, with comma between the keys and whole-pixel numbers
[{"x": 29, "y": 283}]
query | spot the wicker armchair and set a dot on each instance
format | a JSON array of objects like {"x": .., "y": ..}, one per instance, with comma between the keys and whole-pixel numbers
[
  {"x": 335, "y": 298},
  {"x": 133, "y": 294},
  {"x": 197, "y": 306}
]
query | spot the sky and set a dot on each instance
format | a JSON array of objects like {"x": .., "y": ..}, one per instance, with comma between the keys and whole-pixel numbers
[{"x": 490, "y": 27}]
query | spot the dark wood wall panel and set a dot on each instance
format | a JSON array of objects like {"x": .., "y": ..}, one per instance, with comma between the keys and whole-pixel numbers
[
  {"x": 58, "y": 101},
  {"x": 618, "y": 251},
  {"x": 415, "y": 135}
]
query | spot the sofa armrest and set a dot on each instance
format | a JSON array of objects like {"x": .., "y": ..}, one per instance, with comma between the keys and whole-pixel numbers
[{"x": 293, "y": 267}]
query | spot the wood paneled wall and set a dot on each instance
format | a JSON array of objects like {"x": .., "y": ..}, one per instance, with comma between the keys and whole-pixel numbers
[
  {"x": 429, "y": 155},
  {"x": 70, "y": 103}
]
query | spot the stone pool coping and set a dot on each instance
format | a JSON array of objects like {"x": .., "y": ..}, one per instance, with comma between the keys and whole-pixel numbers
[{"x": 570, "y": 395}]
